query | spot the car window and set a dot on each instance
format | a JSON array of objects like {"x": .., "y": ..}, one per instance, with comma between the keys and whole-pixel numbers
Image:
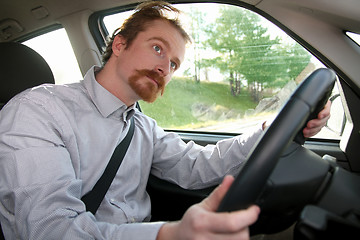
[
  {"x": 239, "y": 71},
  {"x": 354, "y": 36},
  {"x": 56, "y": 49}
]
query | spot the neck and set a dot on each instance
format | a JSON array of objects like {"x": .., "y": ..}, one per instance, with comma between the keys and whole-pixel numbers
[{"x": 119, "y": 88}]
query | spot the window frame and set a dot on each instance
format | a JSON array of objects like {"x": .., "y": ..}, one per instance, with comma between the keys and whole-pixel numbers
[{"x": 39, "y": 33}]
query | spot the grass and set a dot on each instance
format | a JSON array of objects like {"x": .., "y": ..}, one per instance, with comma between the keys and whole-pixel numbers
[{"x": 174, "y": 108}]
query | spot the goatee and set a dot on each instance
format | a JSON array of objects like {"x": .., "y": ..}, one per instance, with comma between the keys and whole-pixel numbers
[{"x": 142, "y": 82}]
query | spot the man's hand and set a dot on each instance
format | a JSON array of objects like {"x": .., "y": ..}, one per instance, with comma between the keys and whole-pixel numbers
[
  {"x": 201, "y": 221},
  {"x": 314, "y": 126}
]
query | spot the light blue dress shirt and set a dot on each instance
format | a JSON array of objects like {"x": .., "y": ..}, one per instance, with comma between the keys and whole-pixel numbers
[{"x": 55, "y": 142}]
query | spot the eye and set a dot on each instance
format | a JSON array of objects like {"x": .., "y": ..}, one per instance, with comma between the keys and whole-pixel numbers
[
  {"x": 173, "y": 65},
  {"x": 157, "y": 49}
]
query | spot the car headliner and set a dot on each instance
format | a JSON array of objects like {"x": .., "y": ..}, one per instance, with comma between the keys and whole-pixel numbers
[{"x": 339, "y": 13}]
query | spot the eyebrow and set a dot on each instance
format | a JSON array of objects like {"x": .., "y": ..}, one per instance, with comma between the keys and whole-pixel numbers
[{"x": 166, "y": 43}]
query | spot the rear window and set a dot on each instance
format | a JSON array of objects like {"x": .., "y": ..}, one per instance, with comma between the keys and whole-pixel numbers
[{"x": 55, "y": 48}]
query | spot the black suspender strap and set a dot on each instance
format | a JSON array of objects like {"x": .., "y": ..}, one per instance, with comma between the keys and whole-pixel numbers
[{"x": 93, "y": 198}]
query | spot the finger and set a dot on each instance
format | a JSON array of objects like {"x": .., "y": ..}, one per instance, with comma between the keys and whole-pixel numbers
[
  {"x": 241, "y": 235},
  {"x": 212, "y": 202},
  {"x": 315, "y": 123},
  {"x": 325, "y": 111},
  {"x": 314, "y": 127},
  {"x": 311, "y": 132},
  {"x": 231, "y": 222}
]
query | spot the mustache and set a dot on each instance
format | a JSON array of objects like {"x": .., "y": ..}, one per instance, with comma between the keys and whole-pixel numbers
[{"x": 153, "y": 75}]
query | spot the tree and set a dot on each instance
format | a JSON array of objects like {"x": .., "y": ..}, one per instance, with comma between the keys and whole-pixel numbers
[
  {"x": 197, "y": 21},
  {"x": 247, "y": 53},
  {"x": 224, "y": 38}
]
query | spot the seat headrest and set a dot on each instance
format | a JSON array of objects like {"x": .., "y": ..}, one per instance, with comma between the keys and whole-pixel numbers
[{"x": 20, "y": 68}]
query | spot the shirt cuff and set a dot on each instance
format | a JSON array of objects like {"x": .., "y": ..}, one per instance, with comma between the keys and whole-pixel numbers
[{"x": 141, "y": 231}]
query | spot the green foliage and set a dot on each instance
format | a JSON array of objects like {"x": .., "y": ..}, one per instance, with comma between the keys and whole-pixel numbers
[
  {"x": 174, "y": 108},
  {"x": 246, "y": 47},
  {"x": 248, "y": 53}
]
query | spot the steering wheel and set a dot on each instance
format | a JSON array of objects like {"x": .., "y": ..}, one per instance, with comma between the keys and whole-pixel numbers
[{"x": 306, "y": 102}]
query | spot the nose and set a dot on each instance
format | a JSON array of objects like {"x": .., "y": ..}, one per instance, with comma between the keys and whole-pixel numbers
[{"x": 164, "y": 67}]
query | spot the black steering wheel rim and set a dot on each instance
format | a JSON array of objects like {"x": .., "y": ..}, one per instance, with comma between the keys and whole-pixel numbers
[{"x": 308, "y": 99}]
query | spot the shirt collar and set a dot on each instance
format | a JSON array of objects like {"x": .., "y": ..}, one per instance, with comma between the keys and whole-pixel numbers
[{"x": 105, "y": 102}]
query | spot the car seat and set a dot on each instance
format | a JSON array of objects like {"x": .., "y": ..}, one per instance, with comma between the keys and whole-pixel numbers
[{"x": 20, "y": 68}]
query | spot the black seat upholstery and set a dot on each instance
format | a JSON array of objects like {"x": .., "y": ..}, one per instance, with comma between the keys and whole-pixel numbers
[{"x": 20, "y": 68}]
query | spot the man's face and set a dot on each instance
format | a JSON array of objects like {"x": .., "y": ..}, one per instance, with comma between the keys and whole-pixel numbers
[{"x": 152, "y": 58}]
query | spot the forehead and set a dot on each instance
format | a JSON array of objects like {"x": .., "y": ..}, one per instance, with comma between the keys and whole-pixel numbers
[{"x": 167, "y": 33}]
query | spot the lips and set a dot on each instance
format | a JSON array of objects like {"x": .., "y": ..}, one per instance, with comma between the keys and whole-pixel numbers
[
  {"x": 154, "y": 80},
  {"x": 153, "y": 76},
  {"x": 148, "y": 91}
]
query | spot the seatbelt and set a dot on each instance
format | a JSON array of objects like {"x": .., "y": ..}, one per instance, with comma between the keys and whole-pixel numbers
[{"x": 93, "y": 198}]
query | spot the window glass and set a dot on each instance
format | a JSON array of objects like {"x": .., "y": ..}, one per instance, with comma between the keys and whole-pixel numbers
[
  {"x": 354, "y": 36},
  {"x": 56, "y": 49},
  {"x": 239, "y": 71}
]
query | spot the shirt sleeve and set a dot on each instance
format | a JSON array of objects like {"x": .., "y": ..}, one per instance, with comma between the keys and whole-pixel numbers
[
  {"x": 40, "y": 191},
  {"x": 192, "y": 166}
]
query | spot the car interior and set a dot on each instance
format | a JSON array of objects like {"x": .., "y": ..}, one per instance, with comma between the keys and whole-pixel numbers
[
  {"x": 306, "y": 188},
  {"x": 35, "y": 70}
]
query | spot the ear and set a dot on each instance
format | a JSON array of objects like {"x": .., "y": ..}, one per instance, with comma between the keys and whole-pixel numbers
[{"x": 118, "y": 44}]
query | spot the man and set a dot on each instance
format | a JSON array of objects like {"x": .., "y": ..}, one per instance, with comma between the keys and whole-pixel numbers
[{"x": 55, "y": 142}]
